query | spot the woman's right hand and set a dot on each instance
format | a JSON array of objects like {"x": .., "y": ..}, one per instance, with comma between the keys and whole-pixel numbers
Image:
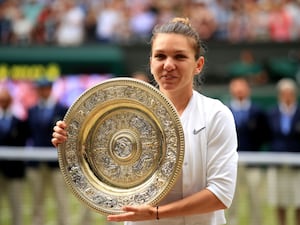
[{"x": 59, "y": 134}]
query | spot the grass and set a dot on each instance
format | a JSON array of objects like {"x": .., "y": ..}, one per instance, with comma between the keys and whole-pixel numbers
[
  {"x": 269, "y": 216},
  {"x": 76, "y": 207}
]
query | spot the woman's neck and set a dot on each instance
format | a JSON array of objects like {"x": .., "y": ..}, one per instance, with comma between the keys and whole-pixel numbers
[{"x": 179, "y": 100}]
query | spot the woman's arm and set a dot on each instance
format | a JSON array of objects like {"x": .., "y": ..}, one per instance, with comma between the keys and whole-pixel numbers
[{"x": 202, "y": 202}]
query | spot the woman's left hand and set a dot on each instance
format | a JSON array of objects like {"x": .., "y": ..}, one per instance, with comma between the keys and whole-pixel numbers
[{"x": 135, "y": 213}]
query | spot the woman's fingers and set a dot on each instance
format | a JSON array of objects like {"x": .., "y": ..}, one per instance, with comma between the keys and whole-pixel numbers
[
  {"x": 59, "y": 134},
  {"x": 134, "y": 213}
]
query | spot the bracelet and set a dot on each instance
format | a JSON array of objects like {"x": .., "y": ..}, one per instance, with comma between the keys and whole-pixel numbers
[{"x": 157, "y": 217}]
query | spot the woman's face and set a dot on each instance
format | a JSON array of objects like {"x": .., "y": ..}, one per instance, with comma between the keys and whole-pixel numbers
[{"x": 173, "y": 62}]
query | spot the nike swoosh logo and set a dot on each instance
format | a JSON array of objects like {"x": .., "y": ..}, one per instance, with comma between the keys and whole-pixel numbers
[{"x": 197, "y": 131}]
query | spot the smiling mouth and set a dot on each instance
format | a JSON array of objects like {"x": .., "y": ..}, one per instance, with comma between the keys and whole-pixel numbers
[{"x": 168, "y": 76}]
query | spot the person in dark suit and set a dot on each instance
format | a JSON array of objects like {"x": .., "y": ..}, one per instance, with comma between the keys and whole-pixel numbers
[
  {"x": 12, "y": 172},
  {"x": 250, "y": 118},
  {"x": 284, "y": 180},
  {"x": 251, "y": 126},
  {"x": 41, "y": 119}
]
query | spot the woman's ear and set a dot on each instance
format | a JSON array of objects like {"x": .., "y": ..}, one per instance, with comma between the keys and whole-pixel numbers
[
  {"x": 150, "y": 59},
  {"x": 200, "y": 64}
]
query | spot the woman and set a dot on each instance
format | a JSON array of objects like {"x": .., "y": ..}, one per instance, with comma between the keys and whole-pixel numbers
[{"x": 206, "y": 186}]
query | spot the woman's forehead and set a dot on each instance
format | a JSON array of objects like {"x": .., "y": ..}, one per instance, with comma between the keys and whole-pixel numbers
[{"x": 174, "y": 41}]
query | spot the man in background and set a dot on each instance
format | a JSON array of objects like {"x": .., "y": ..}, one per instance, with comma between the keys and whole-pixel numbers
[
  {"x": 284, "y": 180},
  {"x": 251, "y": 126},
  {"x": 45, "y": 174},
  {"x": 12, "y": 172}
]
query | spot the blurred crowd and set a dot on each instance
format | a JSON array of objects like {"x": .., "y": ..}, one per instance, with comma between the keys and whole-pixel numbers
[{"x": 69, "y": 23}]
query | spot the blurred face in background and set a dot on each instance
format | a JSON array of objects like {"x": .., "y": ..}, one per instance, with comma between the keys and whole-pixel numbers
[
  {"x": 287, "y": 96},
  {"x": 287, "y": 92},
  {"x": 44, "y": 92},
  {"x": 239, "y": 89},
  {"x": 5, "y": 99}
]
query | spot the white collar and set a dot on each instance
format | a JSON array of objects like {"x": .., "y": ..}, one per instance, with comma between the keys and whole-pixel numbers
[
  {"x": 187, "y": 109},
  {"x": 240, "y": 105},
  {"x": 7, "y": 113},
  {"x": 287, "y": 110},
  {"x": 48, "y": 103}
]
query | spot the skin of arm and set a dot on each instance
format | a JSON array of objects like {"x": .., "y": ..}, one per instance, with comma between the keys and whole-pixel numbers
[{"x": 202, "y": 202}]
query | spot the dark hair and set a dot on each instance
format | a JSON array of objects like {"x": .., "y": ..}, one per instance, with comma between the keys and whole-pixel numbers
[{"x": 182, "y": 26}]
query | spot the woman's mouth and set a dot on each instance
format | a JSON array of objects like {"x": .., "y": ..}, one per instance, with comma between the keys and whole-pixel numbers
[{"x": 167, "y": 76}]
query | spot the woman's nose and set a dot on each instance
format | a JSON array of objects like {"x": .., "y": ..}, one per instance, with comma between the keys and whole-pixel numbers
[{"x": 169, "y": 64}]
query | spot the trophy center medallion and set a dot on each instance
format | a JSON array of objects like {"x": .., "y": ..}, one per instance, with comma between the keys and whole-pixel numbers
[{"x": 124, "y": 147}]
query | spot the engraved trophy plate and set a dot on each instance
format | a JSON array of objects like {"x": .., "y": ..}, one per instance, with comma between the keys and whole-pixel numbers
[{"x": 125, "y": 145}]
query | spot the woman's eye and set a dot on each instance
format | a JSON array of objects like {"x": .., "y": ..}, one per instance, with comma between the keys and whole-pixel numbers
[
  {"x": 180, "y": 56},
  {"x": 159, "y": 56}
]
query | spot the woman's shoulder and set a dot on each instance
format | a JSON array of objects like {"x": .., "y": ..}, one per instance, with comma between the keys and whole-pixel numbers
[
  {"x": 212, "y": 108},
  {"x": 209, "y": 102}
]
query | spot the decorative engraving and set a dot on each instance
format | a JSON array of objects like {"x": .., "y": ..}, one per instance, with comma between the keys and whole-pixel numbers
[
  {"x": 125, "y": 146},
  {"x": 122, "y": 147}
]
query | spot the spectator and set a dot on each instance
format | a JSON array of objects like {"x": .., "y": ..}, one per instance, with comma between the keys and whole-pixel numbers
[
  {"x": 293, "y": 9},
  {"x": 109, "y": 19},
  {"x": 202, "y": 18},
  {"x": 5, "y": 23},
  {"x": 70, "y": 30},
  {"x": 45, "y": 28},
  {"x": 12, "y": 172},
  {"x": 90, "y": 23},
  {"x": 284, "y": 181},
  {"x": 166, "y": 10},
  {"x": 31, "y": 10},
  {"x": 220, "y": 9},
  {"x": 27, "y": 20},
  {"x": 280, "y": 23},
  {"x": 41, "y": 118},
  {"x": 142, "y": 21},
  {"x": 238, "y": 24},
  {"x": 258, "y": 17},
  {"x": 22, "y": 29},
  {"x": 251, "y": 126},
  {"x": 248, "y": 67}
]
